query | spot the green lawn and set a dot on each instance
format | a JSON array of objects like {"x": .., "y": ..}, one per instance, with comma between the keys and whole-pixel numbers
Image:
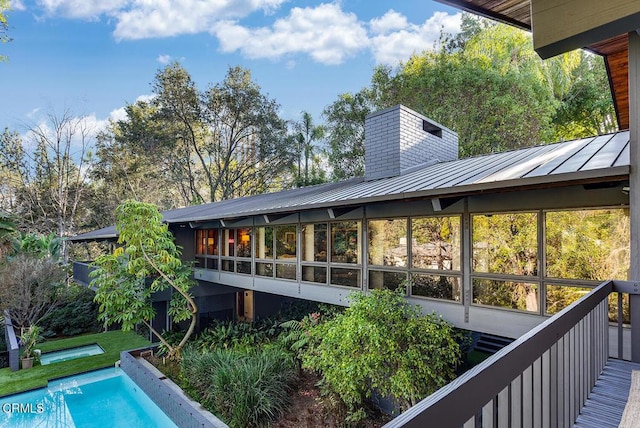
[{"x": 112, "y": 342}]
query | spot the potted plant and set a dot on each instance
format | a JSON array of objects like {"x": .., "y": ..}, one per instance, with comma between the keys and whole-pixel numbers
[{"x": 28, "y": 340}]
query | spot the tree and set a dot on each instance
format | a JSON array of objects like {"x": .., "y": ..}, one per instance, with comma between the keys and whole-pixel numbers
[
  {"x": 306, "y": 134},
  {"x": 229, "y": 139},
  {"x": 4, "y": 25},
  {"x": 344, "y": 122},
  {"x": 381, "y": 343},
  {"x": 134, "y": 160},
  {"x": 29, "y": 286},
  {"x": 8, "y": 233},
  {"x": 47, "y": 183},
  {"x": 148, "y": 262}
]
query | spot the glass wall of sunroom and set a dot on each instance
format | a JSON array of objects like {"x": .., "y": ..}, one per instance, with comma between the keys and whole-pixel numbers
[{"x": 531, "y": 261}]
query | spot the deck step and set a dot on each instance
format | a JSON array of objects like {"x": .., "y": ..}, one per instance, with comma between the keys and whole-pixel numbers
[{"x": 491, "y": 344}]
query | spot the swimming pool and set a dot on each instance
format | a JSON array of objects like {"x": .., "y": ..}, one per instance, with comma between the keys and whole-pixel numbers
[
  {"x": 71, "y": 354},
  {"x": 102, "y": 398}
]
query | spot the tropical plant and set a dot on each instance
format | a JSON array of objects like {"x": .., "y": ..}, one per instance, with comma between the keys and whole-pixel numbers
[
  {"x": 28, "y": 339},
  {"x": 148, "y": 262}
]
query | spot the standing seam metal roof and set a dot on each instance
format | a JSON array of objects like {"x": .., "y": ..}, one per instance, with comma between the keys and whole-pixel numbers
[{"x": 590, "y": 158}]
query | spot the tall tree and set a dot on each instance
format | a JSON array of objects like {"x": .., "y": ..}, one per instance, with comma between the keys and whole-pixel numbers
[
  {"x": 306, "y": 135},
  {"x": 49, "y": 180},
  {"x": 344, "y": 123},
  {"x": 245, "y": 149}
]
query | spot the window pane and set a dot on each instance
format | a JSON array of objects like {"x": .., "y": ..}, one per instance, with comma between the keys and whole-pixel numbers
[
  {"x": 243, "y": 267},
  {"x": 314, "y": 242},
  {"x": 264, "y": 237},
  {"x": 435, "y": 286},
  {"x": 201, "y": 241},
  {"x": 559, "y": 297},
  {"x": 286, "y": 242},
  {"x": 212, "y": 264},
  {"x": 286, "y": 271},
  {"x": 244, "y": 242},
  {"x": 345, "y": 242},
  {"x": 264, "y": 269},
  {"x": 506, "y": 243},
  {"x": 388, "y": 242},
  {"x": 212, "y": 242},
  {"x": 435, "y": 243},
  {"x": 228, "y": 242},
  {"x": 588, "y": 244},
  {"x": 200, "y": 263},
  {"x": 314, "y": 274},
  {"x": 227, "y": 265},
  {"x": 386, "y": 280},
  {"x": 346, "y": 277},
  {"x": 505, "y": 294}
]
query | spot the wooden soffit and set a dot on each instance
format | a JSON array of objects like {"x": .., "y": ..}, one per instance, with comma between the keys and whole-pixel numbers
[{"x": 614, "y": 48}]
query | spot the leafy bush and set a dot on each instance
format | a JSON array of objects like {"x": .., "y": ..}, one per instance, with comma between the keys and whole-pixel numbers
[
  {"x": 247, "y": 389},
  {"x": 382, "y": 344},
  {"x": 76, "y": 314}
]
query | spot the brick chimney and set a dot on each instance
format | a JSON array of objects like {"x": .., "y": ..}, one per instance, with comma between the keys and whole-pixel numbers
[{"x": 398, "y": 139}]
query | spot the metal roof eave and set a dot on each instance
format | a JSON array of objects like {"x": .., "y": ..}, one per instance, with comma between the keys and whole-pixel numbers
[{"x": 619, "y": 173}]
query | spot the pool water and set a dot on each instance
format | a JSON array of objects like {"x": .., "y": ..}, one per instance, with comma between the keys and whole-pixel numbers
[
  {"x": 71, "y": 354},
  {"x": 103, "y": 398}
]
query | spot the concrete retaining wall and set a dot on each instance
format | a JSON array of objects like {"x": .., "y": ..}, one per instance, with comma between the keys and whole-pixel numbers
[{"x": 185, "y": 412}]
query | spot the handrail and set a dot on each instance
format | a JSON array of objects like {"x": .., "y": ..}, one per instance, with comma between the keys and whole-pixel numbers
[{"x": 531, "y": 378}]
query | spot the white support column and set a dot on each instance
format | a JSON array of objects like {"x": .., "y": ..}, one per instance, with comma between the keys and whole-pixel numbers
[{"x": 634, "y": 184}]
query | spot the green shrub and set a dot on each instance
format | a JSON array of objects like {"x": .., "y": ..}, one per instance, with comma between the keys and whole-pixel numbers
[
  {"x": 246, "y": 389},
  {"x": 76, "y": 314},
  {"x": 382, "y": 344}
]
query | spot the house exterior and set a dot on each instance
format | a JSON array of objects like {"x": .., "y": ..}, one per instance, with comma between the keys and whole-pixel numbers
[{"x": 489, "y": 242}]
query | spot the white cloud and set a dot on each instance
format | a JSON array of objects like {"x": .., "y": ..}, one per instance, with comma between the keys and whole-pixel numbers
[
  {"x": 390, "y": 21},
  {"x": 141, "y": 19},
  {"x": 326, "y": 33},
  {"x": 164, "y": 59},
  {"x": 82, "y": 8},
  {"x": 393, "y": 43},
  {"x": 16, "y": 5}
]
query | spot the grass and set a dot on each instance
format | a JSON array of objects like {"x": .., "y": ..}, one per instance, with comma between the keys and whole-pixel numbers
[{"x": 112, "y": 342}]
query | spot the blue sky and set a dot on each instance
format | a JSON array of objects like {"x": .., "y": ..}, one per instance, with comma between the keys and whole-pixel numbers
[{"x": 92, "y": 57}]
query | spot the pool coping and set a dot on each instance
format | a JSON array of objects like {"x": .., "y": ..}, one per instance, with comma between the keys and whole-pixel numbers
[
  {"x": 72, "y": 347},
  {"x": 181, "y": 409}
]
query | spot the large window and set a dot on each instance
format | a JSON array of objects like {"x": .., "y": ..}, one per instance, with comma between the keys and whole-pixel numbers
[
  {"x": 585, "y": 245},
  {"x": 207, "y": 249},
  {"x": 505, "y": 249},
  {"x": 345, "y": 242},
  {"x": 276, "y": 251},
  {"x": 423, "y": 252},
  {"x": 506, "y": 243},
  {"x": 341, "y": 242},
  {"x": 314, "y": 253},
  {"x": 236, "y": 250}
]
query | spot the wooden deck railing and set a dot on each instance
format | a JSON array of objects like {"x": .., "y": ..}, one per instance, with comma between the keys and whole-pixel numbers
[{"x": 541, "y": 379}]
